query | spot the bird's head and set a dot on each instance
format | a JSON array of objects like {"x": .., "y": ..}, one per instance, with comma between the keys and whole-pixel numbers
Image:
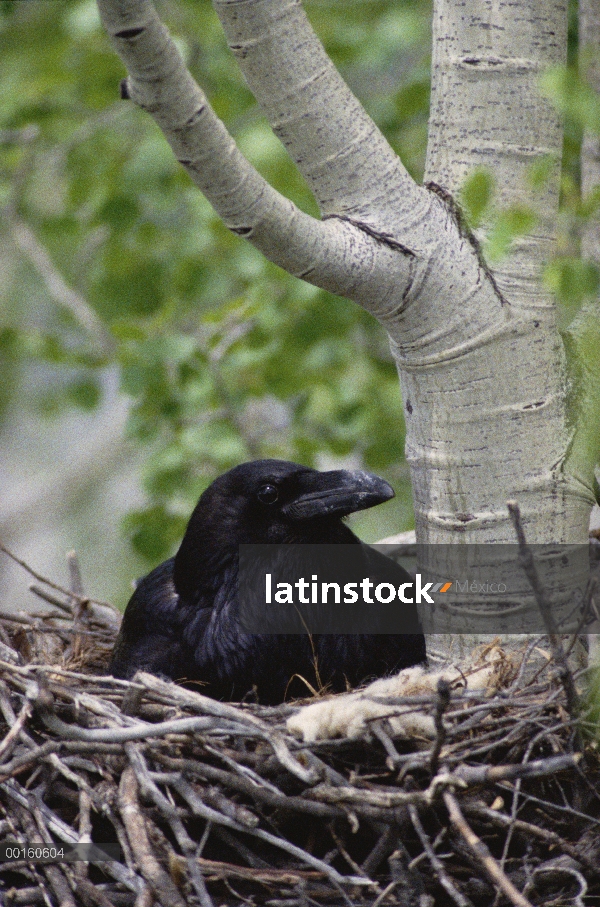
[{"x": 272, "y": 502}]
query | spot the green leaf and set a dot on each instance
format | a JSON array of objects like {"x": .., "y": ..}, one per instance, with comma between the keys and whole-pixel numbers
[
  {"x": 572, "y": 96},
  {"x": 573, "y": 280},
  {"x": 509, "y": 225},
  {"x": 84, "y": 393},
  {"x": 154, "y": 532},
  {"x": 476, "y": 196}
]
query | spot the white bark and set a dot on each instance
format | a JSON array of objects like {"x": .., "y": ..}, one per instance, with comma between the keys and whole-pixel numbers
[
  {"x": 589, "y": 49},
  {"x": 345, "y": 160},
  {"x": 479, "y": 357},
  {"x": 589, "y": 46}
]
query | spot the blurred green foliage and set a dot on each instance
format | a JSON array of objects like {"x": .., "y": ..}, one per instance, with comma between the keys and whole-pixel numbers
[{"x": 223, "y": 356}]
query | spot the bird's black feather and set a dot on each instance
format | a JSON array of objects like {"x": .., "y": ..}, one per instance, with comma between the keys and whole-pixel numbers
[{"x": 182, "y": 620}]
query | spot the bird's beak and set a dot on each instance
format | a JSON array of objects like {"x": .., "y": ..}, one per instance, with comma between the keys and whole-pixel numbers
[{"x": 337, "y": 493}]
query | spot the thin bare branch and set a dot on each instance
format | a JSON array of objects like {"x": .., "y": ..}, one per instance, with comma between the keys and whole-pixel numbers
[{"x": 482, "y": 854}]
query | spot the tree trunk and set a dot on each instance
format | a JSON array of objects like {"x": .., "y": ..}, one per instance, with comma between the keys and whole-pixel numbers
[{"x": 502, "y": 432}]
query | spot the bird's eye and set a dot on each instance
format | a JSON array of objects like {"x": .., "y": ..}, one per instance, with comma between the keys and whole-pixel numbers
[{"x": 268, "y": 494}]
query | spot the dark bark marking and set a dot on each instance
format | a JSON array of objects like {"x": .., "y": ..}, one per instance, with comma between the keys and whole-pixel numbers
[
  {"x": 458, "y": 217},
  {"x": 124, "y": 90},
  {"x": 129, "y": 33},
  {"x": 195, "y": 116},
  {"x": 240, "y": 50},
  {"x": 490, "y": 61},
  {"x": 407, "y": 289},
  {"x": 376, "y": 234}
]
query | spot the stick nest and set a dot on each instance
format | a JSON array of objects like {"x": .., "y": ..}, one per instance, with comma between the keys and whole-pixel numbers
[{"x": 216, "y": 804}]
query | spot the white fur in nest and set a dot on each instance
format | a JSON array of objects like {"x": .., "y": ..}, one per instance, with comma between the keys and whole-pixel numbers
[{"x": 349, "y": 714}]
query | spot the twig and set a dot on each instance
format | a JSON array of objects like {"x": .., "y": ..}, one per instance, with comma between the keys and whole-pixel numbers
[
  {"x": 222, "y": 710},
  {"x": 436, "y": 864},
  {"x": 7, "y": 745},
  {"x": 384, "y": 847},
  {"x": 517, "y": 788},
  {"x": 441, "y": 706},
  {"x": 138, "y": 732},
  {"x": 206, "y": 812},
  {"x": 393, "y": 756},
  {"x": 186, "y": 844},
  {"x": 57, "y": 287},
  {"x": 75, "y": 574},
  {"x": 268, "y": 795},
  {"x": 551, "y": 838},
  {"x": 133, "y": 820},
  {"x": 66, "y": 607},
  {"x": 472, "y": 775},
  {"x": 344, "y": 853},
  {"x": 252, "y": 859},
  {"x": 482, "y": 853},
  {"x": 528, "y": 564},
  {"x": 559, "y": 807},
  {"x": 55, "y": 877},
  {"x": 464, "y": 775},
  {"x": 386, "y": 891},
  {"x": 44, "y": 579}
]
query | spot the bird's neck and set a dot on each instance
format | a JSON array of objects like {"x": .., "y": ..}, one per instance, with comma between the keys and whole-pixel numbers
[
  {"x": 205, "y": 555},
  {"x": 200, "y": 564}
]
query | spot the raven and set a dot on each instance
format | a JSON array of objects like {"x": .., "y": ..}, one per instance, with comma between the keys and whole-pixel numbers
[{"x": 182, "y": 621}]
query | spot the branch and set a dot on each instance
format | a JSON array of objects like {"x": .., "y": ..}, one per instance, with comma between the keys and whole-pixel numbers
[
  {"x": 482, "y": 854},
  {"x": 464, "y": 776},
  {"x": 558, "y": 653},
  {"x": 200, "y": 809},
  {"x": 441, "y": 706},
  {"x": 343, "y": 156},
  {"x": 133, "y": 820},
  {"x": 323, "y": 253},
  {"x": 436, "y": 864},
  {"x": 107, "y": 611},
  {"x": 57, "y": 287},
  {"x": 528, "y": 829}
]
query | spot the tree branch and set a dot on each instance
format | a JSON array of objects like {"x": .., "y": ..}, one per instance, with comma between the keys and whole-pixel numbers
[
  {"x": 59, "y": 290},
  {"x": 323, "y": 253},
  {"x": 482, "y": 854},
  {"x": 343, "y": 156}
]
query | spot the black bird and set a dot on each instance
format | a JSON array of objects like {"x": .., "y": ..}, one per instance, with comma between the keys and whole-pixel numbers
[{"x": 182, "y": 621}]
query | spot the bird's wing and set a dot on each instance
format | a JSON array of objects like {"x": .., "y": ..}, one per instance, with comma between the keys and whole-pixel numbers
[{"x": 150, "y": 635}]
